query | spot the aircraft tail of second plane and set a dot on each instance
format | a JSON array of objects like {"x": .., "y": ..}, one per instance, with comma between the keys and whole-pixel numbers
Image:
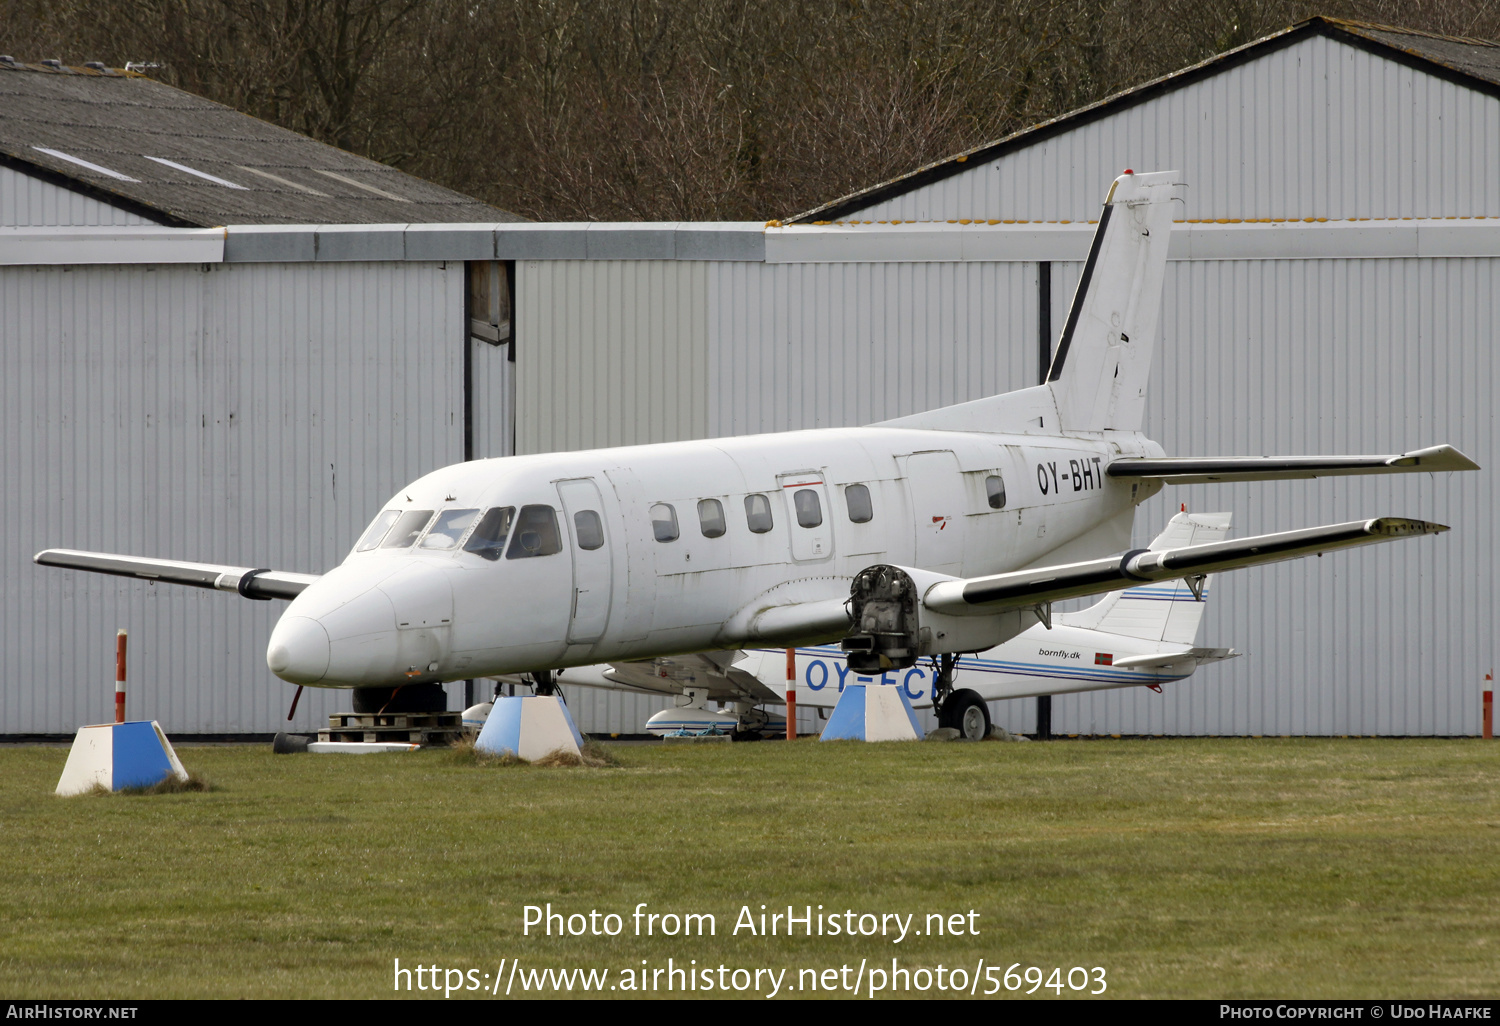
[{"x": 1159, "y": 611}]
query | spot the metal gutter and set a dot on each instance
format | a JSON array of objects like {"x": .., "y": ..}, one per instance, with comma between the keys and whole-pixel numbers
[
  {"x": 848, "y": 242},
  {"x": 669, "y": 240},
  {"x": 136, "y": 244}
]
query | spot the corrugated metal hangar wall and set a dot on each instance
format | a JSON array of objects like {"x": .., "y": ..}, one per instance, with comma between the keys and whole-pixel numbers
[
  {"x": 243, "y": 412},
  {"x": 349, "y": 344},
  {"x": 1339, "y": 341}
]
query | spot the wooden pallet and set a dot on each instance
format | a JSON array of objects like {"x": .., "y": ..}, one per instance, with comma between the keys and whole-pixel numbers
[
  {"x": 401, "y": 721},
  {"x": 419, "y": 736},
  {"x": 435, "y": 729}
]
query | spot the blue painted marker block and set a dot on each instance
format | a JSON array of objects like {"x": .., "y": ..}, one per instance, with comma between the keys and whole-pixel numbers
[
  {"x": 872, "y": 712},
  {"x": 119, "y": 755},
  {"x": 529, "y": 727}
]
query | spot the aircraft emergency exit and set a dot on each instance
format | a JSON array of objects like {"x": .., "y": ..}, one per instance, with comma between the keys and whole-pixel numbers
[
  {"x": 932, "y": 535},
  {"x": 1141, "y": 637}
]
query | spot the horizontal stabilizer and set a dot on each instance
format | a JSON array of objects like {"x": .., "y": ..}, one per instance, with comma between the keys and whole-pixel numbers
[
  {"x": 1160, "y": 660},
  {"x": 1204, "y": 470},
  {"x": 250, "y": 582},
  {"x": 987, "y": 595}
]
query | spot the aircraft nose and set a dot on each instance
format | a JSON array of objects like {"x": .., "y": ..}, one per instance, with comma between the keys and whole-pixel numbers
[{"x": 298, "y": 651}]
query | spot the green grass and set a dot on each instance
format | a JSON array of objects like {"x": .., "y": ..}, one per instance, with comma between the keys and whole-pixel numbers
[{"x": 1204, "y": 868}]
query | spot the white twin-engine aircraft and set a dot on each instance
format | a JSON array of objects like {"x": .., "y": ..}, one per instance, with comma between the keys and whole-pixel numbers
[
  {"x": 937, "y": 534},
  {"x": 1140, "y": 637}
]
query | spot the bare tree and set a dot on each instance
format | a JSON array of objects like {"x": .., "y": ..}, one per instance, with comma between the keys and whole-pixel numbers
[{"x": 649, "y": 109}]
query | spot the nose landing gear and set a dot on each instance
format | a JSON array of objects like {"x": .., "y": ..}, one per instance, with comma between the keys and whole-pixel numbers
[
  {"x": 404, "y": 698},
  {"x": 543, "y": 682}
]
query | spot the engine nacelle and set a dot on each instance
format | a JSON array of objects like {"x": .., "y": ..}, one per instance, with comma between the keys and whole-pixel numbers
[{"x": 893, "y": 628}]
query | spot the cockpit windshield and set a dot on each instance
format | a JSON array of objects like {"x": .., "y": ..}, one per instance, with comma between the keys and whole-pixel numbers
[
  {"x": 377, "y": 530},
  {"x": 449, "y": 528},
  {"x": 488, "y": 539},
  {"x": 407, "y": 528}
]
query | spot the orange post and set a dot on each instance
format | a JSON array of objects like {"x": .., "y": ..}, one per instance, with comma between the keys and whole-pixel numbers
[
  {"x": 791, "y": 694},
  {"x": 1488, "y": 718},
  {"x": 120, "y": 676}
]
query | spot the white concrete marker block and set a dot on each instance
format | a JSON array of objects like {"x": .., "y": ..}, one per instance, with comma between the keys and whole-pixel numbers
[
  {"x": 529, "y": 728},
  {"x": 117, "y": 756},
  {"x": 873, "y": 712}
]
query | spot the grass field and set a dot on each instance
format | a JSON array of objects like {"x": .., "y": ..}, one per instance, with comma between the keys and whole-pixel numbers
[{"x": 1185, "y": 868}]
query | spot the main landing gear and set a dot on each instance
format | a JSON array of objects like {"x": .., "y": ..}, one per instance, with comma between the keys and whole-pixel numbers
[
  {"x": 962, "y": 710},
  {"x": 543, "y": 682}
]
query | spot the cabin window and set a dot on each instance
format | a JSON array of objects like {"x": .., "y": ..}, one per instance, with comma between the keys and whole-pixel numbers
[
  {"x": 488, "y": 539},
  {"x": 809, "y": 509},
  {"x": 449, "y": 528},
  {"x": 664, "y": 522},
  {"x": 711, "y": 518},
  {"x": 589, "y": 528},
  {"x": 408, "y": 526},
  {"x": 994, "y": 487},
  {"x": 377, "y": 530},
  {"x": 758, "y": 513},
  {"x": 857, "y": 498},
  {"x": 536, "y": 533}
]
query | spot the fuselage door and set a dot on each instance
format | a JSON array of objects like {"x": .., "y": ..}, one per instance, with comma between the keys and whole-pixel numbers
[
  {"x": 807, "y": 515},
  {"x": 584, "y": 512},
  {"x": 938, "y": 505}
]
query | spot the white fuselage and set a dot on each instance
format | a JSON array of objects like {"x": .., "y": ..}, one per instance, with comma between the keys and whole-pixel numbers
[{"x": 411, "y": 610}]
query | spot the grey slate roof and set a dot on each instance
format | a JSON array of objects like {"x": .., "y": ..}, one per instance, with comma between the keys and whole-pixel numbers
[
  {"x": 1474, "y": 63},
  {"x": 118, "y": 121},
  {"x": 1477, "y": 59}
]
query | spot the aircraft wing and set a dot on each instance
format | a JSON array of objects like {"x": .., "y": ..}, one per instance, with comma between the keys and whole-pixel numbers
[
  {"x": 715, "y": 671},
  {"x": 801, "y": 623},
  {"x": 1158, "y": 660},
  {"x": 981, "y": 596},
  {"x": 250, "y": 582},
  {"x": 1206, "y": 470}
]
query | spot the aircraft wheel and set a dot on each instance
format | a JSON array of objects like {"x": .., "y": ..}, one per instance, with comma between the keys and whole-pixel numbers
[{"x": 966, "y": 712}]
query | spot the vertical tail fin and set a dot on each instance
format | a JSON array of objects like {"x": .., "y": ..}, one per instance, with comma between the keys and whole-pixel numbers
[
  {"x": 1167, "y": 611},
  {"x": 1103, "y": 359}
]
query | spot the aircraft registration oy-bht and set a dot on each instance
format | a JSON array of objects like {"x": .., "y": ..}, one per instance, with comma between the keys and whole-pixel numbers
[{"x": 933, "y": 535}]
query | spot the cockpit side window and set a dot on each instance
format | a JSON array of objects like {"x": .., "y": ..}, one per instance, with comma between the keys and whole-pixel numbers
[
  {"x": 449, "y": 528},
  {"x": 377, "y": 530},
  {"x": 536, "y": 533},
  {"x": 488, "y": 539},
  {"x": 408, "y": 526}
]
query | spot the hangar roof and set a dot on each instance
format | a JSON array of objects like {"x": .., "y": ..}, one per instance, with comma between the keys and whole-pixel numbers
[
  {"x": 1474, "y": 63},
  {"x": 184, "y": 161}
]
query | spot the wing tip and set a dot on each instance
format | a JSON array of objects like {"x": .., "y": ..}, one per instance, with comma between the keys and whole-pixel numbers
[
  {"x": 1396, "y": 527},
  {"x": 1436, "y": 459}
]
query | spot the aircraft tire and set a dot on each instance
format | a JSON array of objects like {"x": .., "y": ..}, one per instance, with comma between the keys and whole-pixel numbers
[{"x": 966, "y": 712}]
